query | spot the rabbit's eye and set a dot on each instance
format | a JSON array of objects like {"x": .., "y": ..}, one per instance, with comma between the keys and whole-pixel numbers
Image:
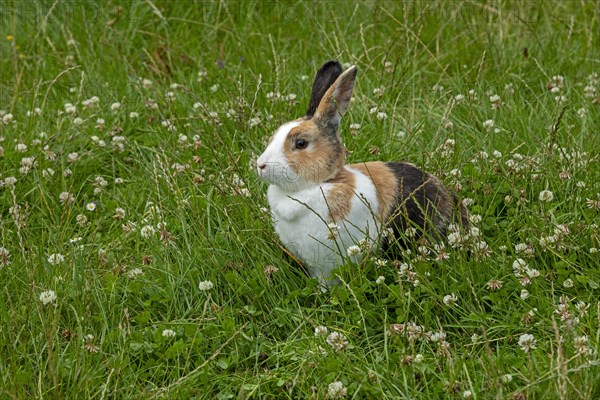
[{"x": 301, "y": 144}]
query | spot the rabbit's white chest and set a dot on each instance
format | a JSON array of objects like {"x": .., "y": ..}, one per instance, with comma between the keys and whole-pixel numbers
[{"x": 301, "y": 221}]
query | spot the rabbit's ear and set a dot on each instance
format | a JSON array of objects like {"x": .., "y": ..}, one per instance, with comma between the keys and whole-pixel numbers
[
  {"x": 334, "y": 103},
  {"x": 325, "y": 77}
]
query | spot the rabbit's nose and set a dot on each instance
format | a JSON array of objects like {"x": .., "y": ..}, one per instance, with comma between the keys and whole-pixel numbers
[{"x": 262, "y": 166}]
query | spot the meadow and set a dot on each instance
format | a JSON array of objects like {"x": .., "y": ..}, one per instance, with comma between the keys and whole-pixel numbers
[{"x": 137, "y": 255}]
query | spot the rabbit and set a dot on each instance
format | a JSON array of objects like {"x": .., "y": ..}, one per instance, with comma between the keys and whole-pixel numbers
[{"x": 322, "y": 207}]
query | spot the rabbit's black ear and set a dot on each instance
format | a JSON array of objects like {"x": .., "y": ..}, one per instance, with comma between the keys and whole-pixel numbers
[{"x": 325, "y": 77}]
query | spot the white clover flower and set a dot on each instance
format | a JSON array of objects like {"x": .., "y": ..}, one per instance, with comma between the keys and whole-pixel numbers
[
  {"x": 72, "y": 157},
  {"x": 355, "y": 127},
  {"x": 562, "y": 229},
  {"x": 81, "y": 220},
  {"x": 205, "y": 285},
  {"x": 581, "y": 344},
  {"x": 28, "y": 162},
  {"x": 70, "y": 108},
  {"x": 88, "y": 338},
  {"x": 546, "y": 196},
  {"x": 560, "y": 99},
  {"x": 147, "y": 231},
  {"x": 380, "y": 280},
  {"x": 524, "y": 294},
  {"x": 21, "y": 147},
  {"x": 100, "y": 181},
  {"x": 337, "y": 341},
  {"x": 410, "y": 232},
  {"x": 381, "y": 115},
  {"x": 494, "y": 284},
  {"x": 168, "y": 333},
  {"x": 134, "y": 115},
  {"x": 520, "y": 247},
  {"x": 467, "y": 394},
  {"x": 519, "y": 264},
  {"x": 378, "y": 91},
  {"x": 183, "y": 139},
  {"x": 454, "y": 239},
  {"x": 4, "y": 257},
  {"x": 336, "y": 390},
  {"x": 532, "y": 272},
  {"x": 507, "y": 378},
  {"x": 488, "y": 124},
  {"x": 134, "y": 273},
  {"x": 91, "y": 102},
  {"x": 589, "y": 91},
  {"x": 483, "y": 155},
  {"x": 146, "y": 83},
  {"x": 459, "y": 98},
  {"x": 115, "y": 106},
  {"x": 66, "y": 198},
  {"x": 527, "y": 342},
  {"x": 497, "y": 154},
  {"x": 119, "y": 213},
  {"x": 438, "y": 337},
  {"x": 214, "y": 88},
  {"x": 7, "y": 118},
  {"x": 419, "y": 358},
  {"x": 450, "y": 299},
  {"x": 475, "y": 232},
  {"x": 423, "y": 250},
  {"x": 56, "y": 259},
  {"x": 252, "y": 122},
  {"x": 353, "y": 250},
  {"x": 568, "y": 283},
  {"x": 320, "y": 330},
  {"x": 475, "y": 218},
  {"x": 47, "y": 297}
]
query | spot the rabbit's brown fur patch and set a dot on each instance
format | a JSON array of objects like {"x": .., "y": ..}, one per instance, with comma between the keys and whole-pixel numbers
[
  {"x": 339, "y": 198},
  {"x": 385, "y": 183}
]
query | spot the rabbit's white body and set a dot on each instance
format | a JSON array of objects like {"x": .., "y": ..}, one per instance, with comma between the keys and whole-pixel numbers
[{"x": 301, "y": 221}]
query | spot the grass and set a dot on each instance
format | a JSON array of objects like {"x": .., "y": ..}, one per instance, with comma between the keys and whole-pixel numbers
[{"x": 193, "y": 208}]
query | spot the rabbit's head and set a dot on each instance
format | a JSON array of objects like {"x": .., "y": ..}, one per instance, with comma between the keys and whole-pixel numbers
[{"x": 308, "y": 151}]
